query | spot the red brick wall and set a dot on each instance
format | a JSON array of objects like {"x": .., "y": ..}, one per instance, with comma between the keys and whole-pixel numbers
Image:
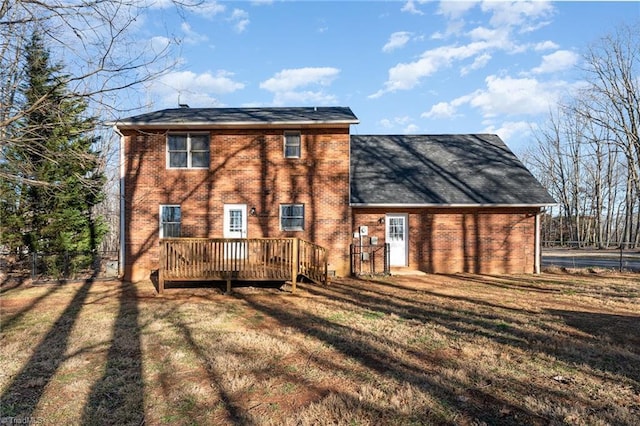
[
  {"x": 448, "y": 240},
  {"x": 246, "y": 167}
]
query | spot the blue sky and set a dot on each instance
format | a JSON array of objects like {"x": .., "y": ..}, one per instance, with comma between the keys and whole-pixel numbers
[{"x": 402, "y": 66}]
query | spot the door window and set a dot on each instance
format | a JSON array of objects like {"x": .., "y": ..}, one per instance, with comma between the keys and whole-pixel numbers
[
  {"x": 396, "y": 229},
  {"x": 235, "y": 220}
]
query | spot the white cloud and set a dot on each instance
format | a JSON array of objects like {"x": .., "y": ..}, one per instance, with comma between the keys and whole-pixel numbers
[
  {"x": 208, "y": 8},
  {"x": 411, "y": 128},
  {"x": 240, "y": 19},
  {"x": 190, "y": 36},
  {"x": 513, "y": 96},
  {"x": 290, "y": 79},
  {"x": 410, "y": 7},
  {"x": 406, "y": 76},
  {"x": 160, "y": 44},
  {"x": 194, "y": 89},
  {"x": 479, "y": 62},
  {"x": 204, "y": 8},
  {"x": 322, "y": 26},
  {"x": 497, "y": 37},
  {"x": 455, "y": 9},
  {"x": 386, "y": 123},
  {"x": 453, "y": 12},
  {"x": 505, "y": 96},
  {"x": 509, "y": 129},
  {"x": 454, "y": 27},
  {"x": 156, "y": 4},
  {"x": 506, "y": 17},
  {"x": 545, "y": 45},
  {"x": 528, "y": 15},
  {"x": 557, "y": 61},
  {"x": 290, "y": 85},
  {"x": 405, "y": 123},
  {"x": 440, "y": 110},
  {"x": 397, "y": 40}
]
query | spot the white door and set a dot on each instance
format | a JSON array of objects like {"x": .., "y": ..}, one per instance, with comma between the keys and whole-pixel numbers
[
  {"x": 235, "y": 226},
  {"x": 396, "y": 236}
]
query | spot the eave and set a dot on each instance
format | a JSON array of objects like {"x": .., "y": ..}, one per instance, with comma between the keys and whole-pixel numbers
[{"x": 124, "y": 125}]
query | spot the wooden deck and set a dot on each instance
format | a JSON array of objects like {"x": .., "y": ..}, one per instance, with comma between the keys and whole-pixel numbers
[{"x": 228, "y": 259}]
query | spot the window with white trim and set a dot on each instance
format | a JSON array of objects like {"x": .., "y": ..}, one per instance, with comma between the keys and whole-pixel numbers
[
  {"x": 292, "y": 217},
  {"x": 292, "y": 144},
  {"x": 170, "y": 221},
  {"x": 188, "y": 151}
]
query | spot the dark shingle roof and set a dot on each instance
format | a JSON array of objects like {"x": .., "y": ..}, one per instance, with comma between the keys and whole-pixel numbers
[
  {"x": 242, "y": 116},
  {"x": 440, "y": 170}
]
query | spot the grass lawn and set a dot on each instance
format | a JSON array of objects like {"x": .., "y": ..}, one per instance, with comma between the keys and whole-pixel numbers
[{"x": 464, "y": 349}]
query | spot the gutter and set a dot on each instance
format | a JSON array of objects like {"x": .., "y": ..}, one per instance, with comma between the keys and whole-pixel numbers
[
  {"x": 121, "y": 262},
  {"x": 445, "y": 205},
  {"x": 229, "y": 124},
  {"x": 537, "y": 245}
]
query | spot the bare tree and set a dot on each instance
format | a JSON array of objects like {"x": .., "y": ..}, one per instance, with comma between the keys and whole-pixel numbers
[
  {"x": 98, "y": 44},
  {"x": 588, "y": 154},
  {"x": 611, "y": 100}
]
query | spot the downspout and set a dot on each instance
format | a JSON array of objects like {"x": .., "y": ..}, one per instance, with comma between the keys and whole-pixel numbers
[
  {"x": 122, "y": 205},
  {"x": 538, "y": 244}
]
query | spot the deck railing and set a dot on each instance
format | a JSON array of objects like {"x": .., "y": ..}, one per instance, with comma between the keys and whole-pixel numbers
[{"x": 229, "y": 259}]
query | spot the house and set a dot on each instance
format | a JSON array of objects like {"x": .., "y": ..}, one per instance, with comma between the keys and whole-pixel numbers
[{"x": 446, "y": 204}]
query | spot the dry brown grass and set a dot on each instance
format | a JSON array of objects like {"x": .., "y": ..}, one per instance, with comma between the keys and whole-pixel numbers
[{"x": 550, "y": 349}]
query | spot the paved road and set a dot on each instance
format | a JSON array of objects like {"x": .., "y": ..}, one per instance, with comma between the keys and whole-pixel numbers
[{"x": 591, "y": 258}]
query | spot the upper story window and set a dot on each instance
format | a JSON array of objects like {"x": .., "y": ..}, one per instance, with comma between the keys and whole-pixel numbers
[
  {"x": 291, "y": 144},
  {"x": 170, "y": 221},
  {"x": 292, "y": 217},
  {"x": 188, "y": 151}
]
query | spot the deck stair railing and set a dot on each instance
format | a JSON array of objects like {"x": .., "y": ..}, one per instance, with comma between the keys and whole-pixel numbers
[{"x": 246, "y": 259}]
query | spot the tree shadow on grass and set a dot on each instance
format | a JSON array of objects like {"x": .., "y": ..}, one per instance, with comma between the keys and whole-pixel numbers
[
  {"x": 619, "y": 334},
  {"x": 25, "y": 391},
  {"x": 232, "y": 407},
  {"x": 10, "y": 320},
  {"x": 505, "y": 327},
  {"x": 614, "y": 348},
  {"x": 118, "y": 398},
  {"x": 379, "y": 353}
]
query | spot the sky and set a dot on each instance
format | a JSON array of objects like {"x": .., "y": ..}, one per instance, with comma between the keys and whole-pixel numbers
[{"x": 404, "y": 67}]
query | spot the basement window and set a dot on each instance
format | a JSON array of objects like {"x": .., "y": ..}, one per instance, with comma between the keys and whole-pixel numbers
[
  {"x": 170, "y": 221},
  {"x": 188, "y": 151},
  {"x": 292, "y": 217}
]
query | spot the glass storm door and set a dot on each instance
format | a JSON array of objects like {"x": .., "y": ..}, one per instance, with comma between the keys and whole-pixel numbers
[
  {"x": 396, "y": 236},
  {"x": 235, "y": 226}
]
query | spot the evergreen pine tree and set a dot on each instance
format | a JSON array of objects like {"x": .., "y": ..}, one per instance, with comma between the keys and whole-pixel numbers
[{"x": 55, "y": 149}]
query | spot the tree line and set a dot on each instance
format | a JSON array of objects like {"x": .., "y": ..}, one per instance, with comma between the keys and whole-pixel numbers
[{"x": 588, "y": 153}]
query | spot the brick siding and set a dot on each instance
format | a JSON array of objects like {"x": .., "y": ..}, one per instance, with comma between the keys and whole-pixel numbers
[
  {"x": 475, "y": 240},
  {"x": 246, "y": 167}
]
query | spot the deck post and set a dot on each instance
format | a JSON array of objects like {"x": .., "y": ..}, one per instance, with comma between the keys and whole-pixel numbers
[
  {"x": 228, "y": 285},
  {"x": 325, "y": 260},
  {"x": 163, "y": 263},
  {"x": 295, "y": 262}
]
